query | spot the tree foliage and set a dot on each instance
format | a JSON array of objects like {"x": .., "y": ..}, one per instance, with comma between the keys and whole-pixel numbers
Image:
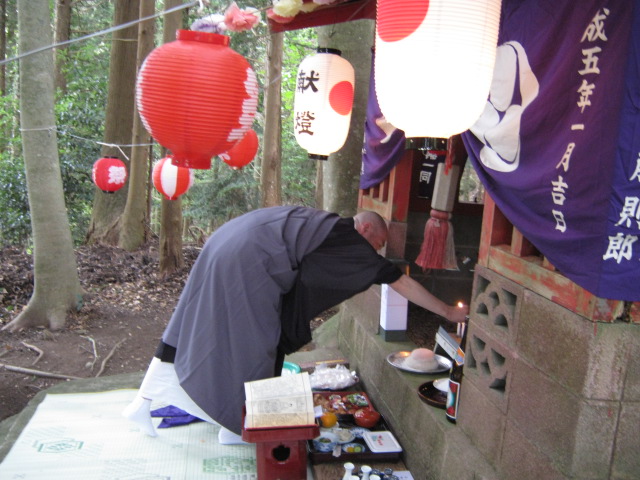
[
  {"x": 79, "y": 116},
  {"x": 218, "y": 194}
]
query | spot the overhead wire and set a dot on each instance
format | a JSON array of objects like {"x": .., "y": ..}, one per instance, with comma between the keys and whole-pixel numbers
[
  {"x": 112, "y": 29},
  {"x": 115, "y": 28}
]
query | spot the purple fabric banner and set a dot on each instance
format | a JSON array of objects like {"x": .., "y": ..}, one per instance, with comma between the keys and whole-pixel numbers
[
  {"x": 621, "y": 267},
  {"x": 383, "y": 143},
  {"x": 558, "y": 144}
]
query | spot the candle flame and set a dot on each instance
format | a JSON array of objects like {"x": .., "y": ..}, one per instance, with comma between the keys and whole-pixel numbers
[{"x": 460, "y": 304}]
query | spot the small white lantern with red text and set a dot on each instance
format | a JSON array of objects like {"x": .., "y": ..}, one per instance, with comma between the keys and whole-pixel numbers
[{"x": 323, "y": 103}]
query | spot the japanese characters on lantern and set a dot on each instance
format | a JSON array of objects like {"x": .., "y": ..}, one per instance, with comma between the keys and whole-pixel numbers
[
  {"x": 109, "y": 174},
  {"x": 323, "y": 102}
]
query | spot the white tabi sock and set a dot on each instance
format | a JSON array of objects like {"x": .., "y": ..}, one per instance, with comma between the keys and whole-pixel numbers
[
  {"x": 227, "y": 437},
  {"x": 139, "y": 412}
]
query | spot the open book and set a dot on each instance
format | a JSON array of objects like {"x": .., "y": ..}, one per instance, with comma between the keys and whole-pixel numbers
[{"x": 279, "y": 402}]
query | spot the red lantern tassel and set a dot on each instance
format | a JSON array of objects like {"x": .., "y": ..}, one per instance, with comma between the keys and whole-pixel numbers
[{"x": 438, "y": 249}]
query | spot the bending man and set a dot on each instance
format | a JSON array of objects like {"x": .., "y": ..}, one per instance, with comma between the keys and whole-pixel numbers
[{"x": 249, "y": 299}]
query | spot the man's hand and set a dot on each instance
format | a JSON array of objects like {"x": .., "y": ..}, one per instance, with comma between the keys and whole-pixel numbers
[
  {"x": 458, "y": 314},
  {"x": 416, "y": 293}
]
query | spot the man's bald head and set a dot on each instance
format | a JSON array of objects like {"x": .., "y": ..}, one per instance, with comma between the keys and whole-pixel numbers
[{"x": 372, "y": 227}]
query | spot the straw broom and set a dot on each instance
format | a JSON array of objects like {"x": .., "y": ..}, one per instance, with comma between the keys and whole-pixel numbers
[{"x": 438, "y": 249}]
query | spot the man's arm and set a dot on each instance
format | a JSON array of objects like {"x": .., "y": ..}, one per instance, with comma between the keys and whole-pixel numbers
[{"x": 416, "y": 293}]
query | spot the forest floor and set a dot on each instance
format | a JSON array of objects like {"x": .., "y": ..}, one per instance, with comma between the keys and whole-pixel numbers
[{"x": 126, "y": 308}]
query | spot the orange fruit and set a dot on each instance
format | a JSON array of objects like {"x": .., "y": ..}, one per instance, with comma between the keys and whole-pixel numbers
[{"x": 328, "y": 419}]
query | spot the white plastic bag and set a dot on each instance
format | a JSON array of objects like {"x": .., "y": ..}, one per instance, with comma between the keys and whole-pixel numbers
[{"x": 332, "y": 378}]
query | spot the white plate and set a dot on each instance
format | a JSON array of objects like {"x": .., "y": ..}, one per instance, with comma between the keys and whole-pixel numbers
[
  {"x": 397, "y": 360},
  {"x": 442, "y": 384}
]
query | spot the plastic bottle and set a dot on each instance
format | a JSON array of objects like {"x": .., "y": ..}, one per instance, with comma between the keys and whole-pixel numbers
[{"x": 455, "y": 380}]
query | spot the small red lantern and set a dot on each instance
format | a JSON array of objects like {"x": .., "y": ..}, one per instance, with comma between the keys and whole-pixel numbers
[
  {"x": 109, "y": 174},
  {"x": 197, "y": 97},
  {"x": 170, "y": 180},
  {"x": 242, "y": 152}
]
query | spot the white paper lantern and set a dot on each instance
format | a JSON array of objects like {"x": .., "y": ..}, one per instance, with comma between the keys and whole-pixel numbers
[
  {"x": 434, "y": 63},
  {"x": 323, "y": 102}
]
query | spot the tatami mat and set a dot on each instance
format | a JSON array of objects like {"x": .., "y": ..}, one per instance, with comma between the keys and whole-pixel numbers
[{"x": 83, "y": 436}]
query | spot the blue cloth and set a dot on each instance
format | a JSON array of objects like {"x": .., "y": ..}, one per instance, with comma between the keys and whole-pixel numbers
[{"x": 173, "y": 417}]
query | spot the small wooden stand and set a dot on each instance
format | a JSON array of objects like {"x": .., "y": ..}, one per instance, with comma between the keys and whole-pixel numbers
[{"x": 281, "y": 453}]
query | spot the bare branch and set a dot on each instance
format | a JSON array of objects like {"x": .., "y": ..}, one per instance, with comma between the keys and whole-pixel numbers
[
  {"x": 38, "y": 373},
  {"x": 95, "y": 351},
  {"x": 106, "y": 359},
  {"x": 35, "y": 349}
]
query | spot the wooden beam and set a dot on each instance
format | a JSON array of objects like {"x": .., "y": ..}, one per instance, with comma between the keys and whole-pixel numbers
[
  {"x": 327, "y": 15},
  {"x": 390, "y": 198},
  {"x": 496, "y": 230}
]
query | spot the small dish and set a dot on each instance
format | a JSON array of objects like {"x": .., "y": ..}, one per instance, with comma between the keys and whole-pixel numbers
[
  {"x": 366, "y": 417},
  {"x": 325, "y": 442},
  {"x": 442, "y": 384},
  {"x": 432, "y": 395},
  {"x": 397, "y": 360},
  {"x": 353, "y": 448}
]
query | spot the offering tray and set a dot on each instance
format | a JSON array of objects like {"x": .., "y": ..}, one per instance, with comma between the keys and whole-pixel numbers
[{"x": 357, "y": 449}]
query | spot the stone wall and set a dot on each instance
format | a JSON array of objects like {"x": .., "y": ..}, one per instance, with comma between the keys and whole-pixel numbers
[{"x": 547, "y": 394}]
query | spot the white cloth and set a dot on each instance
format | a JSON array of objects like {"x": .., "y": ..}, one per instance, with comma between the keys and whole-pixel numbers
[{"x": 160, "y": 384}]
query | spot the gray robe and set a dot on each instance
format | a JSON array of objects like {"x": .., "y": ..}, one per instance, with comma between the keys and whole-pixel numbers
[{"x": 227, "y": 325}]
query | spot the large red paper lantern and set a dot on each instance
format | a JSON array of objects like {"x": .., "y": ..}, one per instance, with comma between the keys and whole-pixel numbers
[
  {"x": 242, "y": 152},
  {"x": 196, "y": 97},
  {"x": 323, "y": 102},
  {"x": 434, "y": 63},
  {"x": 109, "y": 174},
  {"x": 170, "y": 180}
]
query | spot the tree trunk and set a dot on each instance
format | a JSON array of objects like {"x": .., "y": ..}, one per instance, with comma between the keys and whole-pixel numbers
[
  {"x": 341, "y": 175},
  {"x": 133, "y": 229},
  {"x": 107, "y": 208},
  {"x": 63, "y": 33},
  {"x": 56, "y": 285},
  {"x": 319, "y": 196},
  {"x": 171, "y": 257},
  {"x": 272, "y": 145},
  {"x": 3, "y": 46}
]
